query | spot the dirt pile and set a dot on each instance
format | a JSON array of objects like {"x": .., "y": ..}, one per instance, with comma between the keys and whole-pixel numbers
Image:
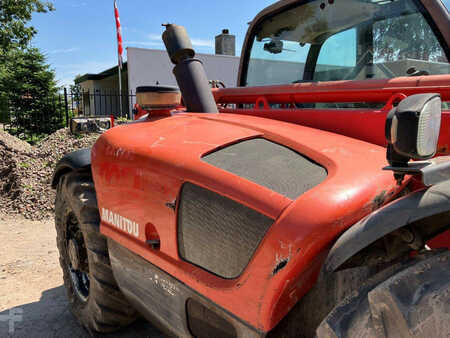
[{"x": 25, "y": 171}]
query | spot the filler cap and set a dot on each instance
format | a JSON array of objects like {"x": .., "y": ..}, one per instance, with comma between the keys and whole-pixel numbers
[{"x": 158, "y": 97}]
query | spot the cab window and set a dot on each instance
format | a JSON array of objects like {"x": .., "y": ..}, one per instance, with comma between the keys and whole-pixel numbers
[{"x": 345, "y": 40}]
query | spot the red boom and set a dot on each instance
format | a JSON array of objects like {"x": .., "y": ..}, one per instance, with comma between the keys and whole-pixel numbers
[{"x": 363, "y": 124}]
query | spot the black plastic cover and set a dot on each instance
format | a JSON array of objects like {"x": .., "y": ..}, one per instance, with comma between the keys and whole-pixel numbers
[
  {"x": 205, "y": 323},
  {"x": 80, "y": 159}
]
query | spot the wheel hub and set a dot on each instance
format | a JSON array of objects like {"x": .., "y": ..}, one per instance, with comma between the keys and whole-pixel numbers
[{"x": 77, "y": 263}]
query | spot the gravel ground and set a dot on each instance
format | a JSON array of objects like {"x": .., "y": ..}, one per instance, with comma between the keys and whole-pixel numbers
[
  {"x": 31, "y": 281},
  {"x": 25, "y": 171},
  {"x": 32, "y": 285}
]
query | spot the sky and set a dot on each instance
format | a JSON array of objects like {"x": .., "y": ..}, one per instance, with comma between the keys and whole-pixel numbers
[{"x": 79, "y": 37}]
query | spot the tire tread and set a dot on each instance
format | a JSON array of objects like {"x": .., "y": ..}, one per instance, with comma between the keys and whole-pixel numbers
[{"x": 106, "y": 309}]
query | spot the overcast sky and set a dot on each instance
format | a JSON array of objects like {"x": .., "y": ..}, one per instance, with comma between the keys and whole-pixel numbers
[{"x": 79, "y": 37}]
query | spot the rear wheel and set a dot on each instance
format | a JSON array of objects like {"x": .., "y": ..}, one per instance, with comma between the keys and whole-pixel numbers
[
  {"x": 338, "y": 306},
  {"x": 414, "y": 302},
  {"x": 305, "y": 317},
  {"x": 94, "y": 296}
]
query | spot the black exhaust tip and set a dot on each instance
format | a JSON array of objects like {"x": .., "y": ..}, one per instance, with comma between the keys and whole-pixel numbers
[
  {"x": 178, "y": 44},
  {"x": 189, "y": 72}
]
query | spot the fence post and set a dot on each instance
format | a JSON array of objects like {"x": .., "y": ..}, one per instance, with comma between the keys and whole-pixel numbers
[{"x": 66, "y": 105}]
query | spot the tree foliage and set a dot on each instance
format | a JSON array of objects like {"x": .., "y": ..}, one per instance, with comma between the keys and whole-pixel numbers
[
  {"x": 27, "y": 85},
  {"x": 29, "y": 101},
  {"x": 23, "y": 69},
  {"x": 26, "y": 74},
  {"x": 14, "y": 18},
  {"x": 75, "y": 89}
]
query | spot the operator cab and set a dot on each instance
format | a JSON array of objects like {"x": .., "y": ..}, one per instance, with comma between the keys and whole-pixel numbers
[
  {"x": 356, "y": 40},
  {"x": 332, "y": 40}
]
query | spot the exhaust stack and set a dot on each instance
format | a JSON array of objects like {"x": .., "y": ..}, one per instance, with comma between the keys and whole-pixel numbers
[{"x": 189, "y": 72}]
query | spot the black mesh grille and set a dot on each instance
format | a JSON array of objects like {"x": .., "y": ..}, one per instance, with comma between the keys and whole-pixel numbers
[
  {"x": 216, "y": 233},
  {"x": 271, "y": 165}
]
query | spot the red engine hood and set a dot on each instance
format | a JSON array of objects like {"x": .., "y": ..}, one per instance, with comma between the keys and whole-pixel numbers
[
  {"x": 140, "y": 167},
  {"x": 174, "y": 146}
]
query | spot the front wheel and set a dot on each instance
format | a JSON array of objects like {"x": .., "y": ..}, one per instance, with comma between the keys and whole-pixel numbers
[
  {"x": 94, "y": 297},
  {"x": 414, "y": 302}
]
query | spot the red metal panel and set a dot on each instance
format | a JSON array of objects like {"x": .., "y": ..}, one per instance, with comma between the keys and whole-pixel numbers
[
  {"x": 139, "y": 168},
  {"x": 377, "y": 90},
  {"x": 362, "y": 124}
]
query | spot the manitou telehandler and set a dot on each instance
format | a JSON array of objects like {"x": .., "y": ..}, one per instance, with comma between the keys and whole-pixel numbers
[{"x": 311, "y": 200}]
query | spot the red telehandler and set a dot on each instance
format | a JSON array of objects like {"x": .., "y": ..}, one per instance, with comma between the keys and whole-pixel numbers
[{"x": 311, "y": 200}]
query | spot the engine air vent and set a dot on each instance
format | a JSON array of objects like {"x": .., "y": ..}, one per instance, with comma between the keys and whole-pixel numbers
[
  {"x": 271, "y": 165},
  {"x": 217, "y": 233}
]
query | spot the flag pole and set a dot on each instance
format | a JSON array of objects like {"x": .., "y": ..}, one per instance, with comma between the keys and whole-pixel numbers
[
  {"x": 119, "y": 53},
  {"x": 120, "y": 89}
]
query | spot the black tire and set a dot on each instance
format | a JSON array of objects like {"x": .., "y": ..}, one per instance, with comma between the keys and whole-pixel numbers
[
  {"x": 414, "y": 302},
  {"x": 94, "y": 296}
]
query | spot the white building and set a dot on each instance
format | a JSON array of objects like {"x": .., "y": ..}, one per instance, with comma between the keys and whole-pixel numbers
[{"x": 148, "y": 67}]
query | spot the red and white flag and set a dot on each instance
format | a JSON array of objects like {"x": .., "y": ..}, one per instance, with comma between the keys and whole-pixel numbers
[{"x": 119, "y": 34}]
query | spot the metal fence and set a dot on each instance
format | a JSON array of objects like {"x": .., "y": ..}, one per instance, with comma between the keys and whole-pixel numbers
[
  {"x": 32, "y": 119},
  {"x": 100, "y": 102}
]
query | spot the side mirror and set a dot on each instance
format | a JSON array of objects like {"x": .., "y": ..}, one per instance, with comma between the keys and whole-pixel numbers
[{"x": 412, "y": 129}]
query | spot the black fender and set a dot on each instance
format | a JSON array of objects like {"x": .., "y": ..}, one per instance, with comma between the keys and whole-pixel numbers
[
  {"x": 77, "y": 160},
  {"x": 397, "y": 214}
]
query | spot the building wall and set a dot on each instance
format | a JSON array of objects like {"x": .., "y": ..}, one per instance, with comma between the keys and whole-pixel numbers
[
  {"x": 112, "y": 83},
  {"x": 146, "y": 67},
  {"x": 101, "y": 97}
]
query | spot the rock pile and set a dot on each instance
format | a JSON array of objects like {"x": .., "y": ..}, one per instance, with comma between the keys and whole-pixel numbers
[{"x": 26, "y": 171}]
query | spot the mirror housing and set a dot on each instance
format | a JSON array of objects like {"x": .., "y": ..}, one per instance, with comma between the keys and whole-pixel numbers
[{"x": 274, "y": 46}]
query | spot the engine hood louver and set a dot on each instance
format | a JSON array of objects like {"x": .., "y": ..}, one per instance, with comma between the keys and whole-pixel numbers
[{"x": 270, "y": 165}]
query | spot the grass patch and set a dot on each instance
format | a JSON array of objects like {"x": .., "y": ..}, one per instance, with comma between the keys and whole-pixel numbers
[{"x": 24, "y": 165}]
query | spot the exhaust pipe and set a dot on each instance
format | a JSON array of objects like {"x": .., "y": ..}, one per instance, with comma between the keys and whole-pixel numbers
[{"x": 189, "y": 72}]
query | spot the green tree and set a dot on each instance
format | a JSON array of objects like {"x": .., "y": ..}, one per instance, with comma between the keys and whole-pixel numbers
[
  {"x": 28, "y": 86},
  {"x": 28, "y": 92},
  {"x": 26, "y": 74},
  {"x": 75, "y": 89},
  {"x": 14, "y": 18},
  {"x": 75, "y": 97}
]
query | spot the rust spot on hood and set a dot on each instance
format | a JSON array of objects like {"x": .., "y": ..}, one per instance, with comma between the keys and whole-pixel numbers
[
  {"x": 379, "y": 200},
  {"x": 280, "y": 266}
]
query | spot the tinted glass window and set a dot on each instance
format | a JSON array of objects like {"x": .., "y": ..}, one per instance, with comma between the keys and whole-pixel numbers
[
  {"x": 337, "y": 56},
  {"x": 277, "y": 62}
]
